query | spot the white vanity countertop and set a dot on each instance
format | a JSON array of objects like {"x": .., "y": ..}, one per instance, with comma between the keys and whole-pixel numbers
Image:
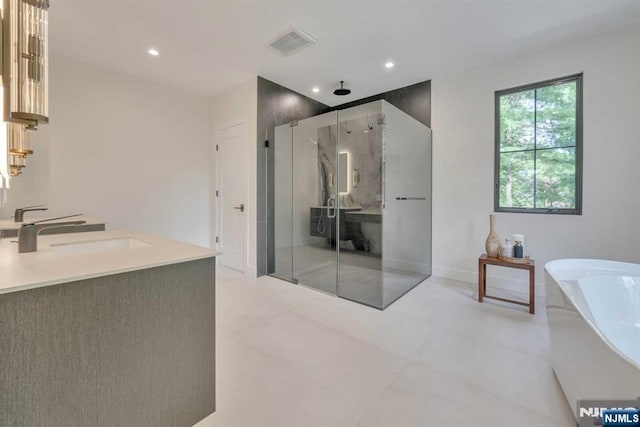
[
  {"x": 48, "y": 267},
  {"x": 9, "y": 224}
]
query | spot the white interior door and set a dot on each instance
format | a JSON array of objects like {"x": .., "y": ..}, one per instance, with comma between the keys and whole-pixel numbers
[{"x": 232, "y": 208}]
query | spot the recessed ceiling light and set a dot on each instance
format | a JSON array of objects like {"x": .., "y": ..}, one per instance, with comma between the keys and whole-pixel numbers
[
  {"x": 389, "y": 64},
  {"x": 153, "y": 52},
  {"x": 315, "y": 90}
]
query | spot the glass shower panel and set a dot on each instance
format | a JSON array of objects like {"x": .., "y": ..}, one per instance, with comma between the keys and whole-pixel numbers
[
  {"x": 281, "y": 265},
  {"x": 360, "y": 203},
  {"x": 406, "y": 259},
  {"x": 351, "y": 203},
  {"x": 315, "y": 218}
]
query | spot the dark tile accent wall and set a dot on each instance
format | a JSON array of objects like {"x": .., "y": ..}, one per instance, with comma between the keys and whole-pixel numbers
[
  {"x": 415, "y": 100},
  {"x": 277, "y": 105}
]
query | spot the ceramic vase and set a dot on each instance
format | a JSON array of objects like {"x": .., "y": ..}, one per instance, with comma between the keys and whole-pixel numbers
[{"x": 492, "y": 244}]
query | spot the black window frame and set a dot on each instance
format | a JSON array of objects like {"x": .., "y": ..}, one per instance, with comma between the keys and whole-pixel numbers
[{"x": 577, "y": 210}]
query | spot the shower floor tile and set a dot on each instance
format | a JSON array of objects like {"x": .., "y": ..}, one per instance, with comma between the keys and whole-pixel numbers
[{"x": 361, "y": 275}]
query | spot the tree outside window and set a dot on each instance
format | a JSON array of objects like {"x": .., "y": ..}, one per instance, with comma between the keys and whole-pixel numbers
[{"x": 538, "y": 147}]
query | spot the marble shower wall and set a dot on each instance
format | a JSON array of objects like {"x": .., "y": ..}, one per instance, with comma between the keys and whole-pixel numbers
[
  {"x": 326, "y": 163},
  {"x": 362, "y": 139}
]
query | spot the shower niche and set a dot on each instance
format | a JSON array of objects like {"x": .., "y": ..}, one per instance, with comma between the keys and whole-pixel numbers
[{"x": 351, "y": 203}]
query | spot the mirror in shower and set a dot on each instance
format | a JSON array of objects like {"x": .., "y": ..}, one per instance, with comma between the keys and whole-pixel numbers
[{"x": 343, "y": 170}]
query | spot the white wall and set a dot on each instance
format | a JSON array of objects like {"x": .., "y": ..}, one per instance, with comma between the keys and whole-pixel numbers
[
  {"x": 463, "y": 141},
  {"x": 121, "y": 149},
  {"x": 238, "y": 105}
]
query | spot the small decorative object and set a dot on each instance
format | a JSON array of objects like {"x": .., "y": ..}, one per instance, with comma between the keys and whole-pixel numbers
[
  {"x": 518, "y": 250},
  {"x": 507, "y": 249},
  {"x": 518, "y": 237},
  {"x": 492, "y": 244}
]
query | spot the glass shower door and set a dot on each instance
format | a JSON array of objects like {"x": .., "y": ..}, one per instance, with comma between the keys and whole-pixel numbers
[{"x": 315, "y": 216}]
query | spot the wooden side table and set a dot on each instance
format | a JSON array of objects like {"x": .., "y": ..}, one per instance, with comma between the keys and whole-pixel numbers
[{"x": 484, "y": 260}]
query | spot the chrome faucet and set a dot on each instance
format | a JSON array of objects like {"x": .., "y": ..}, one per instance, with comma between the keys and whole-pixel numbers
[
  {"x": 28, "y": 233},
  {"x": 18, "y": 215}
]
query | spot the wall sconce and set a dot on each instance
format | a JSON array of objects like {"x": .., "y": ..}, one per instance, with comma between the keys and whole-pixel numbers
[{"x": 25, "y": 61}]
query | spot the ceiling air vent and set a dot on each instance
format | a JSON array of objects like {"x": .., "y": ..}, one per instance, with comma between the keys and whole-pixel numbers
[{"x": 290, "y": 40}]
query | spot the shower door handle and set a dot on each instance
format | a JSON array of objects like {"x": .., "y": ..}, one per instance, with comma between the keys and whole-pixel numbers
[{"x": 331, "y": 204}]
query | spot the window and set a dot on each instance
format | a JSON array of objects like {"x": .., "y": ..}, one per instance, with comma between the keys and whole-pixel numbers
[{"x": 539, "y": 147}]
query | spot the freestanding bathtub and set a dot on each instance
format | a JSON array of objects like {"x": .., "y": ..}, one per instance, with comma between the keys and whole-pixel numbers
[{"x": 593, "y": 307}]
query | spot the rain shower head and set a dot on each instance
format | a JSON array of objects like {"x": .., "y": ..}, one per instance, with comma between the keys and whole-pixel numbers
[{"x": 342, "y": 91}]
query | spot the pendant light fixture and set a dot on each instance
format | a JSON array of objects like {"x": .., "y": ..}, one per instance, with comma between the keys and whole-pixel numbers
[
  {"x": 15, "y": 146},
  {"x": 25, "y": 61},
  {"x": 19, "y": 147},
  {"x": 25, "y": 80},
  {"x": 18, "y": 138},
  {"x": 16, "y": 164}
]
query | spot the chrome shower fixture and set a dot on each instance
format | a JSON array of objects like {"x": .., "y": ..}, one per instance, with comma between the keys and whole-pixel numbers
[
  {"x": 342, "y": 91},
  {"x": 369, "y": 127}
]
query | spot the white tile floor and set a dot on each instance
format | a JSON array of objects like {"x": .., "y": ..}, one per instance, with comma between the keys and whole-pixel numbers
[{"x": 292, "y": 357}]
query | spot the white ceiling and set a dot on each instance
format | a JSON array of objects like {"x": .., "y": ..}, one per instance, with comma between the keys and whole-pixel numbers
[{"x": 207, "y": 46}]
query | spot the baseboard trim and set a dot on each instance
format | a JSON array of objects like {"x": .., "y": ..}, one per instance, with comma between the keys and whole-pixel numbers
[
  {"x": 251, "y": 270},
  {"x": 493, "y": 280}
]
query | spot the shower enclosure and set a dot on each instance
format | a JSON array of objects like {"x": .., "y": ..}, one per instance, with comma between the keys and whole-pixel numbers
[{"x": 351, "y": 203}]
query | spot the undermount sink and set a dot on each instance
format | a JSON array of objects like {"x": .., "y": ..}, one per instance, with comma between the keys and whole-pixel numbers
[{"x": 94, "y": 246}]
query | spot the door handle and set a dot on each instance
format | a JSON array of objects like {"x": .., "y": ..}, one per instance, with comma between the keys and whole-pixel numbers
[
  {"x": 240, "y": 208},
  {"x": 331, "y": 204}
]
